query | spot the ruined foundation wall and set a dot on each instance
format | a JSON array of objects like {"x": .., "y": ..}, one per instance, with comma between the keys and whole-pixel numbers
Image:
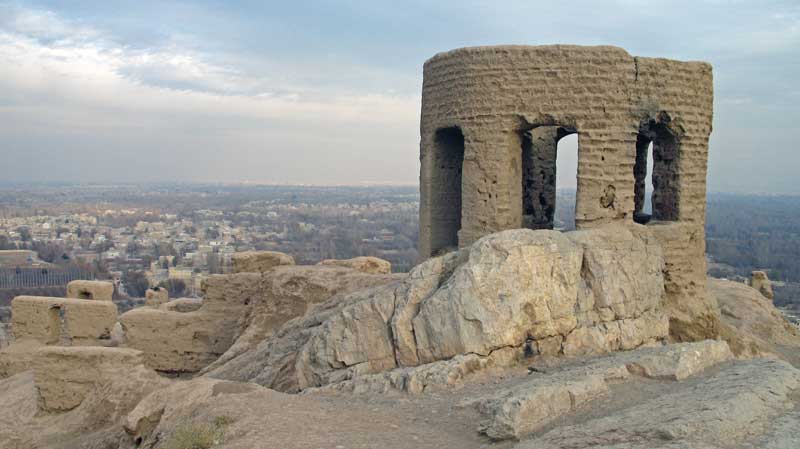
[
  {"x": 174, "y": 341},
  {"x": 62, "y": 321}
]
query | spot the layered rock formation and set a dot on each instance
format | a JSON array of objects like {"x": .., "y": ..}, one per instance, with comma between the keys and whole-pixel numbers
[{"x": 585, "y": 292}]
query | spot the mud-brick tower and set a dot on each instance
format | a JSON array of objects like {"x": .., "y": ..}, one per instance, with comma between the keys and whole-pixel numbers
[{"x": 491, "y": 121}]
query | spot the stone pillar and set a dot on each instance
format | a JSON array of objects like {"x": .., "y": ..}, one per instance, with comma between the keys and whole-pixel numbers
[{"x": 491, "y": 183}]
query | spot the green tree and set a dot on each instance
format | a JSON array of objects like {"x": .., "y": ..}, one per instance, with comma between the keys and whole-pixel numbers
[
  {"x": 24, "y": 233},
  {"x": 135, "y": 283},
  {"x": 212, "y": 233},
  {"x": 5, "y": 243}
]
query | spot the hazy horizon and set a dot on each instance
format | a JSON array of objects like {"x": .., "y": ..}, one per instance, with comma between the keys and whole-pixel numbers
[{"x": 328, "y": 93}]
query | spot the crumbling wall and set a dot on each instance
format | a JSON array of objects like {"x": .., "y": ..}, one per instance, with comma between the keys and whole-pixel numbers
[
  {"x": 66, "y": 376},
  {"x": 97, "y": 290},
  {"x": 175, "y": 341},
  {"x": 693, "y": 313},
  {"x": 62, "y": 321}
]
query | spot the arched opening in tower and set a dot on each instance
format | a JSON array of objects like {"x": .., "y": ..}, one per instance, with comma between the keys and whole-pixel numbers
[
  {"x": 656, "y": 165},
  {"x": 448, "y": 163},
  {"x": 549, "y": 177}
]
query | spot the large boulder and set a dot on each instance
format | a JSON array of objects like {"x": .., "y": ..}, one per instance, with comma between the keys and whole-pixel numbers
[
  {"x": 752, "y": 325},
  {"x": 583, "y": 292}
]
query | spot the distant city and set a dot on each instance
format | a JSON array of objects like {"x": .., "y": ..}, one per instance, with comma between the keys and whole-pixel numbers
[{"x": 175, "y": 236}]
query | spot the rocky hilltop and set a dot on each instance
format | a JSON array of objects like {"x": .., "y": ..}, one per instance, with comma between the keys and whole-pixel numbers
[{"x": 524, "y": 339}]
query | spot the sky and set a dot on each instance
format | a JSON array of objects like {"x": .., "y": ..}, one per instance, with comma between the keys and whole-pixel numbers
[{"x": 328, "y": 92}]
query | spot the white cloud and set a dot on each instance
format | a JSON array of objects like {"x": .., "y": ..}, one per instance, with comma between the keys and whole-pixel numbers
[{"x": 74, "y": 84}]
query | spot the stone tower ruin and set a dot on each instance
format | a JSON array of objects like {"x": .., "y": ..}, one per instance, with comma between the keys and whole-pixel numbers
[
  {"x": 491, "y": 121},
  {"x": 492, "y": 116}
]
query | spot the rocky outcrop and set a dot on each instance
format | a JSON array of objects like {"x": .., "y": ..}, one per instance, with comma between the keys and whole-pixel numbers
[
  {"x": 423, "y": 378},
  {"x": 751, "y": 325},
  {"x": 371, "y": 265},
  {"x": 583, "y": 292},
  {"x": 520, "y": 410},
  {"x": 259, "y": 261},
  {"x": 68, "y": 322},
  {"x": 97, "y": 290},
  {"x": 760, "y": 281},
  {"x": 722, "y": 410}
]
